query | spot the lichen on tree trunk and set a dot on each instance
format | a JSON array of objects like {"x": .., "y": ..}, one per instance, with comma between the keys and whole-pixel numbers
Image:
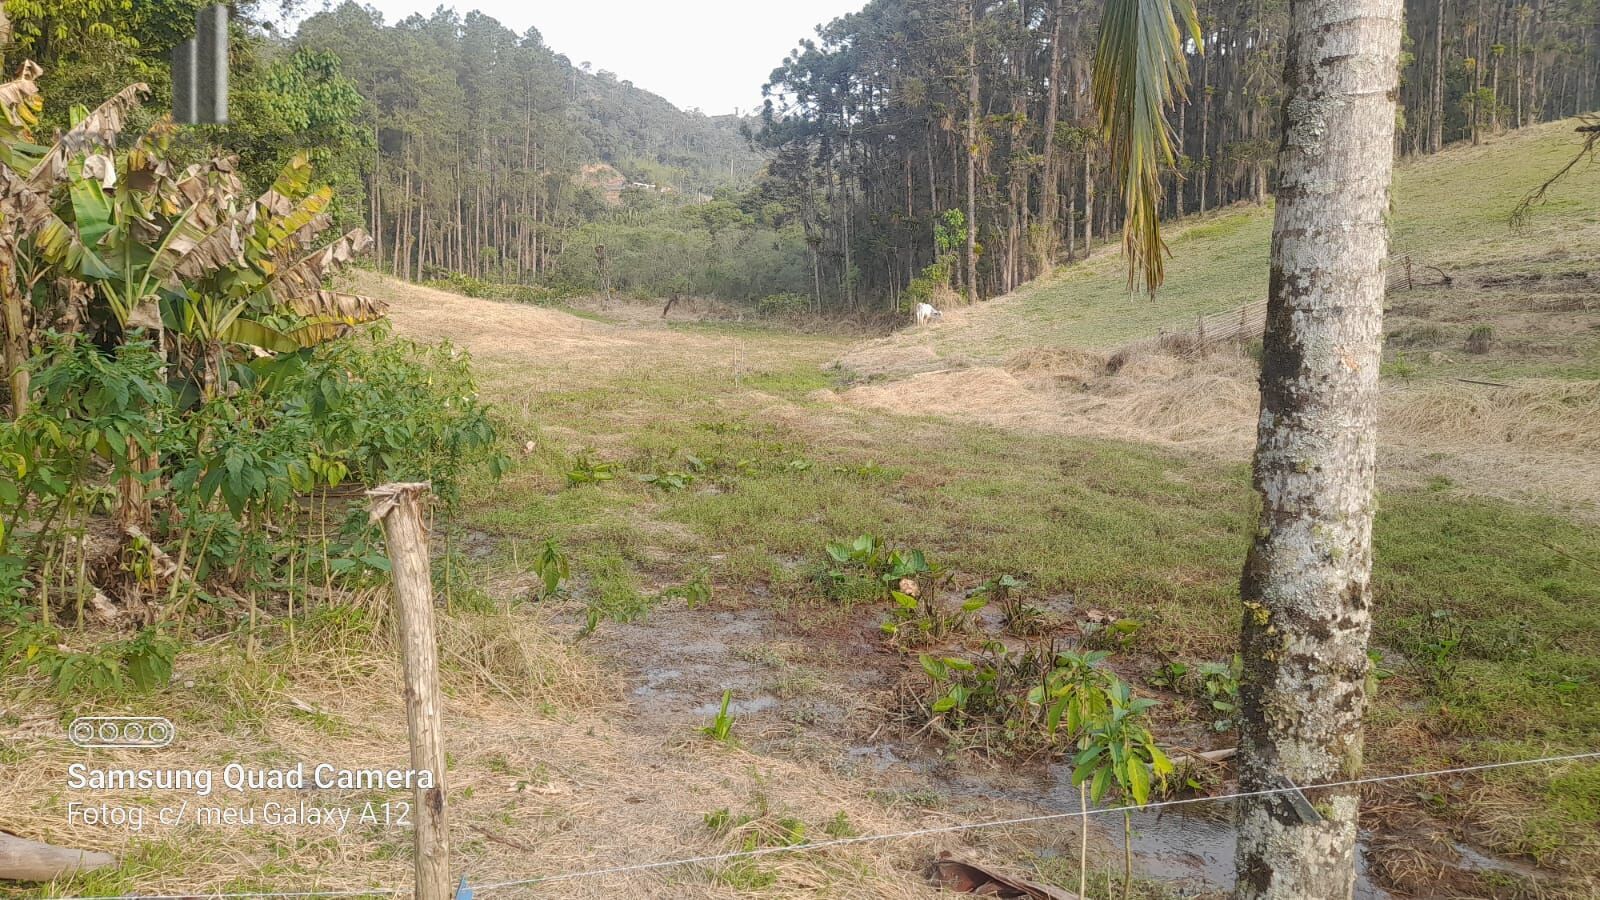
[{"x": 1306, "y": 585}]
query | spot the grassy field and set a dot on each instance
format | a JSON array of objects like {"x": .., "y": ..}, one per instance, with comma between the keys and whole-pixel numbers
[
  {"x": 699, "y": 566},
  {"x": 1450, "y": 211}
]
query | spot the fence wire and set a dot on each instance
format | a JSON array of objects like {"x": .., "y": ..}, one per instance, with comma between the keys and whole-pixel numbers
[{"x": 954, "y": 828}]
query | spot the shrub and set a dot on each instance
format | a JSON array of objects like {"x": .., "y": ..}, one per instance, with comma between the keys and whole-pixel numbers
[
  {"x": 783, "y": 306},
  {"x": 1480, "y": 339},
  {"x": 224, "y": 475}
]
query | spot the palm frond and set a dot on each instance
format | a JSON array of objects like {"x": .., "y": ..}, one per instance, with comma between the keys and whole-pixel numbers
[
  {"x": 98, "y": 131},
  {"x": 1139, "y": 70},
  {"x": 305, "y": 276}
]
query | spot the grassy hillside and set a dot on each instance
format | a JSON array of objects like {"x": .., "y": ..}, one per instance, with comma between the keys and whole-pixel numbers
[
  {"x": 692, "y": 475},
  {"x": 1450, "y": 211}
]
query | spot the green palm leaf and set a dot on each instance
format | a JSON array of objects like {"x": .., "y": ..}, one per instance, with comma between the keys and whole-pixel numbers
[{"x": 1139, "y": 70}]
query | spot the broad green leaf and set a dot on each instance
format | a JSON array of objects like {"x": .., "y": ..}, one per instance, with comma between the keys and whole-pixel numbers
[
  {"x": 255, "y": 334},
  {"x": 1138, "y": 780},
  {"x": 1101, "y": 783}
]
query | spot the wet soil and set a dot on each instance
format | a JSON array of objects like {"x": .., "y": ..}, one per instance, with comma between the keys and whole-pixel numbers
[{"x": 820, "y": 684}]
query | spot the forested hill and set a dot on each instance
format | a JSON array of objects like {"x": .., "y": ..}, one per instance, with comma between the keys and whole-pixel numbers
[
  {"x": 911, "y": 148},
  {"x": 464, "y": 148},
  {"x": 918, "y": 114},
  {"x": 451, "y": 77}
]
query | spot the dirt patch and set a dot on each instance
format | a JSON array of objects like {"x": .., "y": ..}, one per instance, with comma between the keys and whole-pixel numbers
[
  {"x": 1208, "y": 404},
  {"x": 1532, "y": 440}
]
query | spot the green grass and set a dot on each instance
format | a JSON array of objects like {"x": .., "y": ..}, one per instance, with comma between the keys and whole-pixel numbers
[
  {"x": 1137, "y": 531},
  {"x": 1450, "y": 211}
]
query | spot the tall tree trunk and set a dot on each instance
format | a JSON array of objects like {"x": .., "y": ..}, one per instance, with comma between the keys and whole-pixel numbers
[
  {"x": 1306, "y": 586},
  {"x": 1088, "y": 202},
  {"x": 1436, "y": 119},
  {"x": 972, "y": 152},
  {"x": 1477, "y": 72},
  {"x": 1051, "y": 198}
]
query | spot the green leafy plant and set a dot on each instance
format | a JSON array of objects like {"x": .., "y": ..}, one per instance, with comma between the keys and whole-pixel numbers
[
  {"x": 953, "y": 692},
  {"x": 721, "y": 727},
  {"x": 1439, "y": 648},
  {"x": 865, "y": 552},
  {"x": 1219, "y": 688},
  {"x": 759, "y": 827},
  {"x": 916, "y": 615},
  {"x": 1117, "y": 634},
  {"x": 1174, "y": 676},
  {"x": 552, "y": 567},
  {"x": 587, "y": 470},
  {"x": 141, "y": 663},
  {"x": 1119, "y": 753},
  {"x": 669, "y": 481},
  {"x": 694, "y": 592},
  {"x": 1006, "y": 592}
]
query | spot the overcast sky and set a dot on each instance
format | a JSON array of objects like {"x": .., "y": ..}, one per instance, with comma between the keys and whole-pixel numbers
[{"x": 710, "y": 54}]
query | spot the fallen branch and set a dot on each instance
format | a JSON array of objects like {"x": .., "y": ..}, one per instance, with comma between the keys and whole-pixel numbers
[
  {"x": 1213, "y": 756},
  {"x": 25, "y": 860},
  {"x": 961, "y": 877}
]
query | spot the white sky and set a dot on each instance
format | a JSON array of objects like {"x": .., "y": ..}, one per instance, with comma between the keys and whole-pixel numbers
[{"x": 708, "y": 54}]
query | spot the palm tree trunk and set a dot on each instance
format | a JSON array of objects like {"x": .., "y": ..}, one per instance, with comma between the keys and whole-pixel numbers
[{"x": 1306, "y": 586}]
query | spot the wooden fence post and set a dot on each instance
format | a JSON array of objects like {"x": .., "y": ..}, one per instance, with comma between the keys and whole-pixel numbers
[{"x": 399, "y": 508}]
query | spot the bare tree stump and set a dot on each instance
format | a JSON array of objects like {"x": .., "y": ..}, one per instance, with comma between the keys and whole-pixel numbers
[
  {"x": 399, "y": 508},
  {"x": 25, "y": 860}
]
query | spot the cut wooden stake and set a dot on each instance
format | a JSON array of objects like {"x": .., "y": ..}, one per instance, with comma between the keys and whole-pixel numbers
[
  {"x": 24, "y": 860},
  {"x": 399, "y": 508}
]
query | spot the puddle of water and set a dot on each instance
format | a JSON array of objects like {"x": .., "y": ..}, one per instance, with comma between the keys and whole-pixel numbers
[
  {"x": 1477, "y": 861},
  {"x": 880, "y": 757},
  {"x": 1190, "y": 847}
]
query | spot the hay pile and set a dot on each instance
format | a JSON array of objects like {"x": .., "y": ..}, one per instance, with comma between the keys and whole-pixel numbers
[
  {"x": 1536, "y": 440},
  {"x": 1207, "y": 404}
]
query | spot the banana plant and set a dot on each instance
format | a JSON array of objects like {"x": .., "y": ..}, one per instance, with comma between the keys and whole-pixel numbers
[
  {"x": 188, "y": 254},
  {"x": 28, "y": 225}
]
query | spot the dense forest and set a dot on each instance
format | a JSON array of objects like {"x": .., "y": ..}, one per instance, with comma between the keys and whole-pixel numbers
[
  {"x": 916, "y": 147},
  {"x": 895, "y": 116}
]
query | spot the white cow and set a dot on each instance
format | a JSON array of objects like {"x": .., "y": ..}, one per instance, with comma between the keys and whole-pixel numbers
[{"x": 925, "y": 314}]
